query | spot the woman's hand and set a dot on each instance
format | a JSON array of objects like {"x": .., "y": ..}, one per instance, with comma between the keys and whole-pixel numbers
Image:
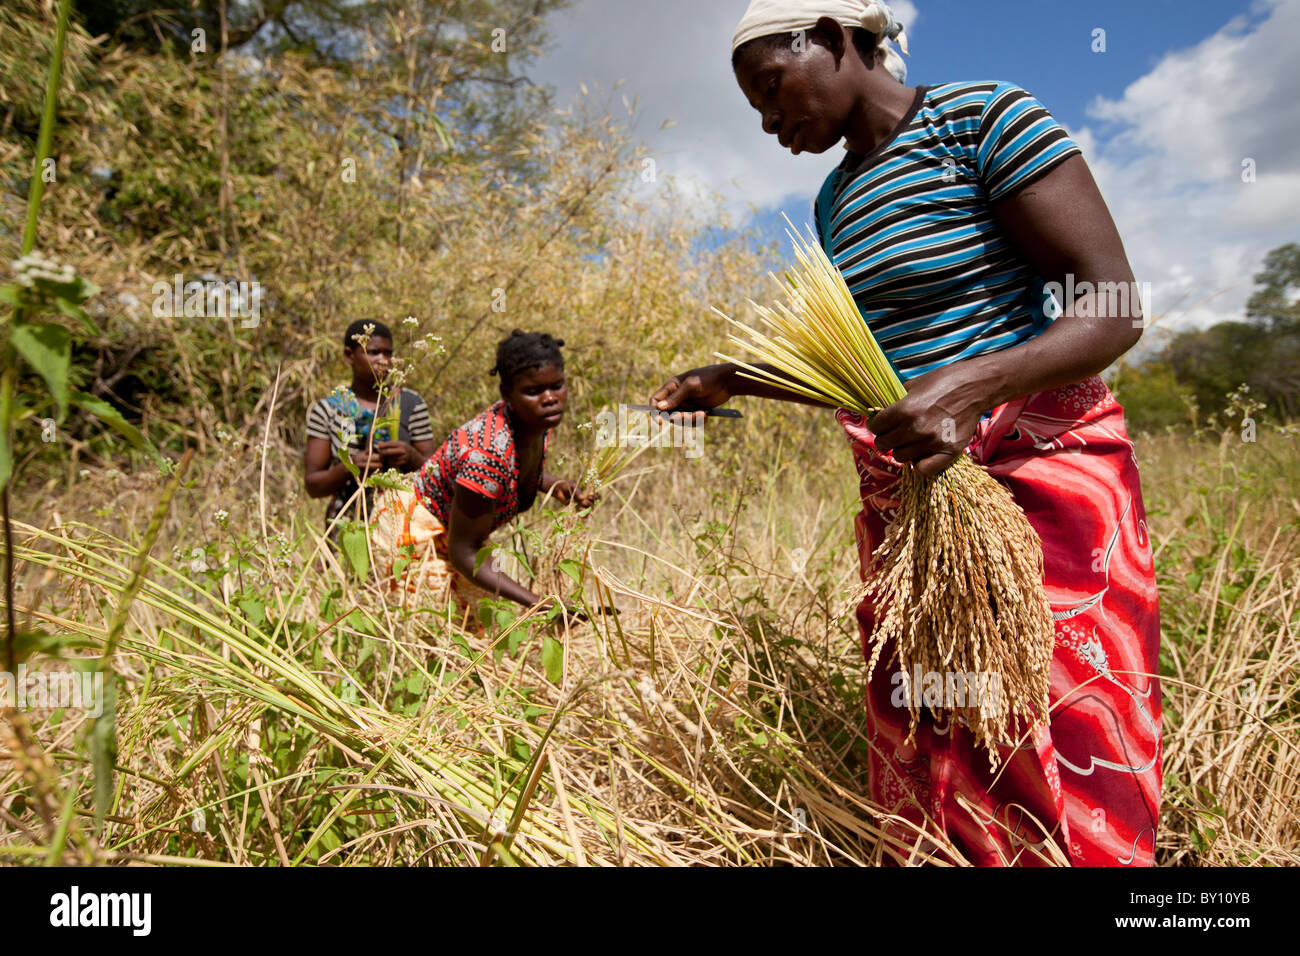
[
  {"x": 399, "y": 454},
  {"x": 565, "y": 491},
  {"x": 700, "y": 388},
  {"x": 471, "y": 520},
  {"x": 367, "y": 461},
  {"x": 933, "y": 424}
]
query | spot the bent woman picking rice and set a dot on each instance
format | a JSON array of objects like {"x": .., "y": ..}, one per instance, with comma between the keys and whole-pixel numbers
[
  {"x": 486, "y": 472},
  {"x": 955, "y": 206}
]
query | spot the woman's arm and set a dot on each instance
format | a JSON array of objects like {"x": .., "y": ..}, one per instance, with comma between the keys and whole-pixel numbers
[
  {"x": 323, "y": 478},
  {"x": 712, "y": 385},
  {"x": 1061, "y": 225},
  {"x": 470, "y": 525}
]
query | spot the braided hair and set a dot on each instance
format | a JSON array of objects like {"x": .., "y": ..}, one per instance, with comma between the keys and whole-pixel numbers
[
  {"x": 522, "y": 351},
  {"x": 379, "y": 331}
]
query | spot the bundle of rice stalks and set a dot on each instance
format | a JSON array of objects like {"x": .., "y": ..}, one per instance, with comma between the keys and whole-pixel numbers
[{"x": 957, "y": 583}]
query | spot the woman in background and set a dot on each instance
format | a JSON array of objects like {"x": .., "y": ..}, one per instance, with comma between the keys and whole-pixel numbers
[
  {"x": 342, "y": 422},
  {"x": 487, "y": 471}
]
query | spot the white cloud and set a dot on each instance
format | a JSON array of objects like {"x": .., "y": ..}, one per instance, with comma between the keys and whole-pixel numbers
[
  {"x": 676, "y": 58},
  {"x": 1168, "y": 155}
]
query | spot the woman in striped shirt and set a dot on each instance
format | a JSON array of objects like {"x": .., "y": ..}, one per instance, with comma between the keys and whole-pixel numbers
[
  {"x": 956, "y": 210},
  {"x": 342, "y": 423}
]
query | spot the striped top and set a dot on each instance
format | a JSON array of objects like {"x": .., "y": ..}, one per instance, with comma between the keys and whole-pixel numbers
[
  {"x": 339, "y": 419},
  {"x": 911, "y": 227}
]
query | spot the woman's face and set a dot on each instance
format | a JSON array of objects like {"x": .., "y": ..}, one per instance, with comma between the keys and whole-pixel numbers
[
  {"x": 802, "y": 96},
  {"x": 538, "y": 396},
  {"x": 372, "y": 363}
]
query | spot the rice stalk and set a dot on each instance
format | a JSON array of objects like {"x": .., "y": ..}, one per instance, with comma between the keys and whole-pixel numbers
[
  {"x": 957, "y": 583},
  {"x": 612, "y": 457}
]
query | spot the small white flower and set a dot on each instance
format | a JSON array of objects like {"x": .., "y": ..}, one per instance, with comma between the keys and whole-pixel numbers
[
  {"x": 420, "y": 345},
  {"x": 221, "y": 516},
  {"x": 648, "y": 692},
  {"x": 410, "y": 320}
]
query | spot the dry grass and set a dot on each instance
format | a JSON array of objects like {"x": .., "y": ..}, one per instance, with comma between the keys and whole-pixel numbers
[
  {"x": 1225, "y": 520},
  {"x": 715, "y": 720}
]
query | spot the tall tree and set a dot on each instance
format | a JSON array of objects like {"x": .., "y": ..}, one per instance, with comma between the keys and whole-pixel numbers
[{"x": 1276, "y": 301}]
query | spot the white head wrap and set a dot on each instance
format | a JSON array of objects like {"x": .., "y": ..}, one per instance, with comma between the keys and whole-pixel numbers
[{"x": 767, "y": 17}]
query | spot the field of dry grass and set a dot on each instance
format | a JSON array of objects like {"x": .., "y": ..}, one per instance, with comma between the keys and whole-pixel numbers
[{"x": 270, "y": 709}]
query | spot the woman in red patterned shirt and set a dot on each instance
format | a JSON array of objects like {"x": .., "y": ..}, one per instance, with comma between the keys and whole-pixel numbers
[{"x": 493, "y": 467}]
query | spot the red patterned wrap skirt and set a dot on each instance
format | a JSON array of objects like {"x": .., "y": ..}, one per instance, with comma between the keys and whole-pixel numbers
[{"x": 1087, "y": 781}]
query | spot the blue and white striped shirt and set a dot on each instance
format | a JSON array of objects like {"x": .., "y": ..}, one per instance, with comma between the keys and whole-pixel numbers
[{"x": 911, "y": 227}]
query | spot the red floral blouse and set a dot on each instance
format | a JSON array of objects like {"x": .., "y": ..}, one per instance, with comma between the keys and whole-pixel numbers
[{"x": 480, "y": 455}]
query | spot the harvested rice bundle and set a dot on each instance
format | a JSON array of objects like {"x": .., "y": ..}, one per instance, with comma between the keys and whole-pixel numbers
[{"x": 958, "y": 580}]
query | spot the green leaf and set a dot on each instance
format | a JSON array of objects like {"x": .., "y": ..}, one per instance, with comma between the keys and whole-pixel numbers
[
  {"x": 110, "y": 416},
  {"x": 358, "y": 621},
  {"x": 47, "y": 348},
  {"x": 254, "y": 610},
  {"x": 399, "y": 567},
  {"x": 1194, "y": 581},
  {"x": 76, "y": 312},
  {"x": 27, "y": 643},
  {"x": 573, "y": 569},
  {"x": 354, "y": 548},
  {"x": 103, "y": 750},
  {"x": 553, "y": 659},
  {"x": 11, "y": 295},
  {"x": 382, "y": 479},
  {"x": 366, "y": 652}
]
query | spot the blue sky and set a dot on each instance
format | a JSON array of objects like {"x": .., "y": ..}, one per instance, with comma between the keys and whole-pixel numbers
[
  {"x": 1046, "y": 45},
  {"x": 1185, "y": 92}
]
